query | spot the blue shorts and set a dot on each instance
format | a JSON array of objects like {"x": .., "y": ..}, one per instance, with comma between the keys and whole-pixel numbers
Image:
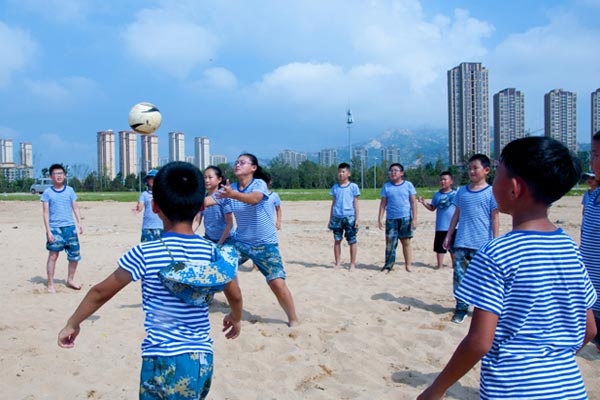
[
  {"x": 149, "y": 235},
  {"x": 65, "y": 238},
  {"x": 185, "y": 376},
  {"x": 267, "y": 259},
  {"x": 347, "y": 224}
]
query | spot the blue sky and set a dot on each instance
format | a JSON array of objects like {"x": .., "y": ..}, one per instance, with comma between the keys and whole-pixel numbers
[{"x": 272, "y": 75}]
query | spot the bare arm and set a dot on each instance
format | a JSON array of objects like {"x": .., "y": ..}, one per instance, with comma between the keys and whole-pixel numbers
[
  {"x": 495, "y": 223},
  {"x": 356, "y": 211},
  {"x": 382, "y": 205},
  {"x": 590, "y": 328},
  {"x": 197, "y": 221},
  {"x": 251, "y": 198},
  {"x": 232, "y": 324},
  {"x": 46, "y": 216},
  {"x": 77, "y": 214},
  {"x": 473, "y": 347},
  {"x": 451, "y": 228},
  {"x": 228, "y": 226},
  {"x": 95, "y": 298},
  {"x": 428, "y": 206},
  {"x": 413, "y": 207},
  {"x": 278, "y": 217},
  {"x": 139, "y": 207},
  {"x": 331, "y": 211}
]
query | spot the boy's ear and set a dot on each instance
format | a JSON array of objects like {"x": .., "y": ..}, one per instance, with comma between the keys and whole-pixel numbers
[
  {"x": 518, "y": 187},
  {"x": 155, "y": 207}
]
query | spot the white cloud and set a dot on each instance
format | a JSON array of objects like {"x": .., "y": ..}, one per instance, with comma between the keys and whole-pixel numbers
[
  {"x": 220, "y": 78},
  {"x": 169, "y": 41},
  {"x": 17, "y": 50}
]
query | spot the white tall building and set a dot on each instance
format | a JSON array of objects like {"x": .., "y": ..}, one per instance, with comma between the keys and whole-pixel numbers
[
  {"x": 149, "y": 153},
  {"x": 595, "y": 112},
  {"x": 217, "y": 159},
  {"x": 176, "y": 146},
  {"x": 509, "y": 118},
  {"x": 26, "y": 150},
  {"x": 292, "y": 158},
  {"x": 560, "y": 117},
  {"x": 106, "y": 154},
  {"x": 6, "y": 153},
  {"x": 202, "y": 152},
  {"x": 128, "y": 160},
  {"x": 390, "y": 155},
  {"x": 468, "y": 112},
  {"x": 327, "y": 157}
]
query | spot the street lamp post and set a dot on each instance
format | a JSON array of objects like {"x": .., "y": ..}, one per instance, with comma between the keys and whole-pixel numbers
[
  {"x": 375, "y": 174},
  {"x": 349, "y": 121}
]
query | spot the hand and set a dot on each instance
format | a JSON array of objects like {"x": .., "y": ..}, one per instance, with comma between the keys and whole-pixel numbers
[
  {"x": 66, "y": 337},
  {"x": 231, "y": 327},
  {"x": 278, "y": 225},
  {"x": 380, "y": 225},
  {"x": 50, "y": 237},
  {"x": 413, "y": 224},
  {"x": 446, "y": 243},
  {"x": 225, "y": 191},
  {"x": 421, "y": 199},
  {"x": 80, "y": 229}
]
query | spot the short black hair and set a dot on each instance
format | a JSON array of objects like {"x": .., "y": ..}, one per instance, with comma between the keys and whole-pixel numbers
[
  {"x": 344, "y": 165},
  {"x": 447, "y": 173},
  {"x": 179, "y": 191},
  {"x": 482, "y": 158},
  {"x": 400, "y": 166},
  {"x": 56, "y": 166},
  {"x": 547, "y": 166}
]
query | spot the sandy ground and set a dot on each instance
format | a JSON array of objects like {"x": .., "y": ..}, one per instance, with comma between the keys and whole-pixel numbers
[{"x": 364, "y": 334}]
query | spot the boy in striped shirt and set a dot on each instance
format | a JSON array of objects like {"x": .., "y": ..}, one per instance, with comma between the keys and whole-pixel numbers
[
  {"x": 590, "y": 233},
  {"x": 531, "y": 292},
  {"x": 177, "y": 352},
  {"x": 475, "y": 220}
]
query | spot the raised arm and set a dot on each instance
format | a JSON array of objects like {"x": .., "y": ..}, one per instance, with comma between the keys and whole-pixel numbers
[{"x": 428, "y": 206}]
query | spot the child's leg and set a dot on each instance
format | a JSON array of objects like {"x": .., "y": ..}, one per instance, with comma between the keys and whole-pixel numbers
[
  {"x": 463, "y": 257},
  {"x": 71, "y": 275},
  {"x": 337, "y": 251},
  {"x": 353, "y": 251},
  {"x": 391, "y": 242},
  {"x": 284, "y": 297},
  {"x": 440, "y": 260},
  {"x": 407, "y": 252},
  {"x": 50, "y": 268}
]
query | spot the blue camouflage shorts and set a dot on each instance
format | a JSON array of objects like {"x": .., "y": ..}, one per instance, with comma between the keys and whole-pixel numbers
[
  {"x": 267, "y": 259},
  {"x": 149, "y": 235},
  {"x": 347, "y": 224},
  {"x": 185, "y": 376},
  {"x": 65, "y": 238}
]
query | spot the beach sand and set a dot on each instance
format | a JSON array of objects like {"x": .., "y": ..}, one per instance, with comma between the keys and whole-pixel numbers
[{"x": 364, "y": 334}]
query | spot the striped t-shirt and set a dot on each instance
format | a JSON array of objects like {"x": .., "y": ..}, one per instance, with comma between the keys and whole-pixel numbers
[
  {"x": 214, "y": 219},
  {"x": 343, "y": 196},
  {"x": 255, "y": 225},
  {"x": 538, "y": 286},
  {"x": 172, "y": 326},
  {"x": 590, "y": 240},
  {"x": 475, "y": 218},
  {"x": 398, "y": 203},
  {"x": 60, "y": 206}
]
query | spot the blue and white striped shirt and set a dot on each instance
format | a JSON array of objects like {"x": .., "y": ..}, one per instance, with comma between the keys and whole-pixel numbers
[
  {"x": 590, "y": 240},
  {"x": 398, "y": 199},
  {"x": 538, "y": 286},
  {"x": 60, "y": 206},
  {"x": 475, "y": 218},
  {"x": 214, "y": 219},
  {"x": 255, "y": 225},
  {"x": 151, "y": 220},
  {"x": 343, "y": 205},
  {"x": 172, "y": 326}
]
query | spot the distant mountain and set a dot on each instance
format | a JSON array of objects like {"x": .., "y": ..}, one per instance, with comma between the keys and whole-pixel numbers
[{"x": 431, "y": 144}]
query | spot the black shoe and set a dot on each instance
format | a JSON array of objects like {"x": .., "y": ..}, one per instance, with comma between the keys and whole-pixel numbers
[{"x": 459, "y": 317}]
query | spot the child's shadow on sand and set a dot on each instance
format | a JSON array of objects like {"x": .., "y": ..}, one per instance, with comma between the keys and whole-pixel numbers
[
  {"x": 420, "y": 380},
  {"x": 412, "y": 302},
  {"x": 222, "y": 307}
]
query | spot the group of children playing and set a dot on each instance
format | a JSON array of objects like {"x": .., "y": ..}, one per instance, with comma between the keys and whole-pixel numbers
[{"x": 534, "y": 291}]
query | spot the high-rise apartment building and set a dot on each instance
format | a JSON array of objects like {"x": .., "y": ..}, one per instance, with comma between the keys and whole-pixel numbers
[
  {"x": 390, "y": 155},
  {"x": 595, "y": 112},
  {"x": 509, "y": 118},
  {"x": 327, "y": 157},
  {"x": 217, "y": 159},
  {"x": 202, "y": 152},
  {"x": 6, "y": 151},
  {"x": 149, "y": 152},
  {"x": 176, "y": 146},
  {"x": 560, "y": 117},
  {"x": 106, "y": 154},
  {"x": 468, "y": 112},
  {"x": 128, "y": 160},
  {"x": 292, "y": 158},
  {"x": 26, "y": 153}
]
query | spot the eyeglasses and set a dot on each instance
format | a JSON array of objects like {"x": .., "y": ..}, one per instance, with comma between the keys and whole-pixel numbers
[
  {"x": 58, "y": 173},
  {"x": 393, "y": 171},
  {"x": 242, "y": 162}
]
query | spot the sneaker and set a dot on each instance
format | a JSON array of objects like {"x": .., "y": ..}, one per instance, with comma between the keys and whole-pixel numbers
[{"x": 459, "y": 317}]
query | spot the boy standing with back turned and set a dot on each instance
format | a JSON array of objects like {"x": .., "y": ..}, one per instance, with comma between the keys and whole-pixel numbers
[
  {"x": 343, "y": 216},
  {"x": 477, "y": 213},
  {"x": 177, "y": 352},
  {"x": 531, "y": 292}
]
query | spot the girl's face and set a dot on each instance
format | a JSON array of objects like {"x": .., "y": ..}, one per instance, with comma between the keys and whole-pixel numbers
[
  {"x": 243, "y": 166},
  {"x": 211, "y": 180},
  {"x": 595, "y": 158}
]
